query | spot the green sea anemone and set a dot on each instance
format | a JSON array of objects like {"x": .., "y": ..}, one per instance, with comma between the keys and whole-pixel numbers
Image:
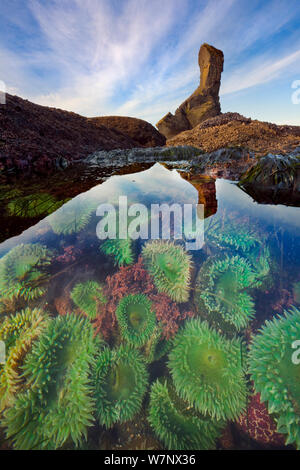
[
  {"x": 231, "y": 234},
  {"x": 22, "y": 271},
  {"x": 33, "y": 205},
  {"x": 120, "y": 249},
  {"x": 57, "y": 405},
  {"x": 260, "y": 260},
  {"x": 89, "y": 297},
  {"x": 221, "y": 289},
  {"x": 18, "y": 332},
  {"x": 136, "y": 319},
  {"x": 275, "y": 369},
  {"x": 170, "y": 267},
  {"x": 73, "y": 216},
  {"x": 177, "y": 424},
  {"x": 207, "y": 371},
  {"x": 120, "y": 380}
]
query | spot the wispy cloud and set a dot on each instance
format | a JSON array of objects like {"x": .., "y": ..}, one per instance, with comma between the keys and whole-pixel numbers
[
  {"x": 139, "y": 58},
  {"x": 259, "y": 72}
]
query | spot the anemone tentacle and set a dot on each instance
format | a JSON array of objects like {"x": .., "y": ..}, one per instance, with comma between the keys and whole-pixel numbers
[
  {"x": 221, "y": 289},
  {"x": 57, "y": 405},
  {"x": 121, "y": 380},
  {"x": 23, "y": 270},
  {"x": 232, "y": 235},
  {"x": 136, "y": 319},
  {"x": 89, "y": 297},
  {"x": 18, "y": 332},
  {"x": 207, "y": 371},
  {"x": 178, "y": 425},
  {"x": 120, "y": 249},
  {"x": 170, "y": 266},
  {"x": 275, "y": 369},
  {"x": 73, "y": 216}
]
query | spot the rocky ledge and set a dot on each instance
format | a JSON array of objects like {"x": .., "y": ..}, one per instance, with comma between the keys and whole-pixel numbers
[
  {"x": 188, "y": 157},
  {"x": 141, "y": 132},
  {"x": 234, "y": 130}
]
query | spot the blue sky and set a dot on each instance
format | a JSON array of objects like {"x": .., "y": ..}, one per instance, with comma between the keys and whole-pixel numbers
[{"x": 139, "y": 57}]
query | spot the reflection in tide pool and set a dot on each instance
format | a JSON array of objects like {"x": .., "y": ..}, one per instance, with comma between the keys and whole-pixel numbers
[{"x": 123, "y": 344}]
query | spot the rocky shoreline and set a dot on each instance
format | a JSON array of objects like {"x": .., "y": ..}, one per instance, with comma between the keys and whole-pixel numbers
[{"x": 37, "y": 139}]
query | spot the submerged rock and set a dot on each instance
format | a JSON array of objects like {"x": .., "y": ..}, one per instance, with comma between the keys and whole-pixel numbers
[{"x": 204, "y": 103}]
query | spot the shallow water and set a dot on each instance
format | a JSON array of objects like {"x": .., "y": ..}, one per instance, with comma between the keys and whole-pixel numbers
[{"x": 264, "y": 237}]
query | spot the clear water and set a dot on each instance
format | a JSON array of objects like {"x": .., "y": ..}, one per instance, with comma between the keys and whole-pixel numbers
[{"x": 76, "y": 258}]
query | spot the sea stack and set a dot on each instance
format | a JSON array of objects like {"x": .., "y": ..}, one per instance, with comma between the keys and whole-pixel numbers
[{"x": 204, "y": 103}]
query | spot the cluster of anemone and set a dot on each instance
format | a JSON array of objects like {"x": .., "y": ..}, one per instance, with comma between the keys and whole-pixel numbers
[
  {"x": 33, "y": 205},
  {"x": 89, "y": 298},
  {"x": 120, "y": 249},
  {"x": 121, "y": 381},
  {"x": 23, "y": 271},
  {"x": 208, "y": 371},
  {"x": 170, "y": 267},
  {"x": 178, "y": 425},
  {"x": 275, "y": 369},
  {"x": 231, "y": 234},
  {"x": 73, "y": 216},
  {"x": 221, "y": 289},
  {"x": 18, "y": 333},
  {"x": 57, "y": 406},
  {"x": 136, "y": 319}
]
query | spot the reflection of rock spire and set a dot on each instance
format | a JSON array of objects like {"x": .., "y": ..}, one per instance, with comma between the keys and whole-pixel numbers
[{"x": 206, "y": 187}]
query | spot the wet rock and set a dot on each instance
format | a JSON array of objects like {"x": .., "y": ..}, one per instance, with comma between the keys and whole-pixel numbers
[
  {"x": 274, "y": 179},
  {"x": 119, "y": 158},
  {"x": 204, "y": 103}
]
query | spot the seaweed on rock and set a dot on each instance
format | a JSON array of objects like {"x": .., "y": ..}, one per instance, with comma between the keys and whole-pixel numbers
[
  {"x": 33, "y": 205},
  {"x": 23, "y": 271},
  {"x": 272, "y": 170},
  {"x": 57, "y": 406},
  {"x": 207, "y": 371},
  {"x": 121, "y": 380}
]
